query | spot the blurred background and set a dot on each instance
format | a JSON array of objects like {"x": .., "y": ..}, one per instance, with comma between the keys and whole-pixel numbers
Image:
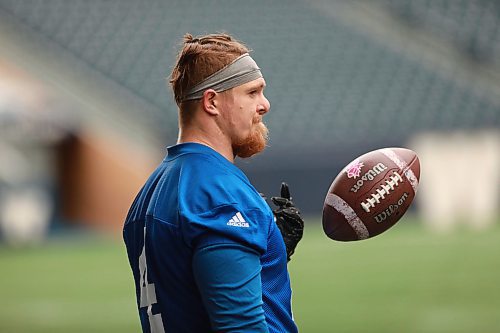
[{"x": 86, "y": 114}]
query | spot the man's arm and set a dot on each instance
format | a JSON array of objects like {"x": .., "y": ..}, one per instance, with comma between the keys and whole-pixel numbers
[{"x": 228, "y": 278}]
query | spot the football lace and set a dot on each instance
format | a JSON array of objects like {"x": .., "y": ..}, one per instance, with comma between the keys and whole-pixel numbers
[{"x": 382, "y": 191}]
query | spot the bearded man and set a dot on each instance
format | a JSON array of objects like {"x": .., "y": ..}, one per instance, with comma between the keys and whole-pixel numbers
[{"x": 207, "y": 252}]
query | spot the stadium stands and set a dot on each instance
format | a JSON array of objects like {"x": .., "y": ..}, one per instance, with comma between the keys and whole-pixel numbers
[{"x": 472, "y": 25}]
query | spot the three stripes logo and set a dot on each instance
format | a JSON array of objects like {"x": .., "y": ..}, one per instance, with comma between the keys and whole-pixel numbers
[{"x": 238, "y": 221}]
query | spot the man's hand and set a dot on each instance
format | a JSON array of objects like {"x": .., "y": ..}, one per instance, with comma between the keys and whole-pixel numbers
[{"x": 288, "y": 219}]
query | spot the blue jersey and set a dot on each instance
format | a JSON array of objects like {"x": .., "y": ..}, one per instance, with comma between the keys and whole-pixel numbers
[{"x": 194, "y": 200}]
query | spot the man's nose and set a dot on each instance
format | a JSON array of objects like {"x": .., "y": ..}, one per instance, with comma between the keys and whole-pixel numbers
[{"x": 264, "y": 106}]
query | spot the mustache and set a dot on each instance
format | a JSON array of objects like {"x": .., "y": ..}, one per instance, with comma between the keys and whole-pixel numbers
[
  {"x": 257, "y": 120},
  {"x": 262, "y": 130}
]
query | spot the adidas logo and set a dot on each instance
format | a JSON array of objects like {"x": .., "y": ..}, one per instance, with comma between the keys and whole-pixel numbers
[{"x": 238, "y": 221}]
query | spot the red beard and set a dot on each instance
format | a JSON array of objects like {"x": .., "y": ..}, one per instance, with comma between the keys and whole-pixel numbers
[{"x": 254, "y": 143}]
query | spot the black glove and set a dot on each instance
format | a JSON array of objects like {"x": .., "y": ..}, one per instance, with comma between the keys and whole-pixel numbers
[{"x": 288, "y": 219}]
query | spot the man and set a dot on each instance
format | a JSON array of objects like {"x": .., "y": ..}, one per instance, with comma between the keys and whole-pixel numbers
[{"x": 205, "y": 251}]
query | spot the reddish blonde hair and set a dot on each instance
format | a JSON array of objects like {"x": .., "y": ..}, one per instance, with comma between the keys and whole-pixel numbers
[{"x": 200, "y": 57}]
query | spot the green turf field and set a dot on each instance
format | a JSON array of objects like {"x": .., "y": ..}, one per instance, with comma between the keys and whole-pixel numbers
[{"x": 406, "y": 280}]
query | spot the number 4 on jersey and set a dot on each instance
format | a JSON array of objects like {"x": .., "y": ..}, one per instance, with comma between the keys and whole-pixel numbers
[{"x": 148, "y": 293}]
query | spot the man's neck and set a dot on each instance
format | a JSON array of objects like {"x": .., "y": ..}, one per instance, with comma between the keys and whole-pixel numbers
[{"x": 216, "y": 142}]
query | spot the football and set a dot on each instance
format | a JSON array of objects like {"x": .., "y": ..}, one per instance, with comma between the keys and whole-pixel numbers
[{"x": 371, "y": 194}]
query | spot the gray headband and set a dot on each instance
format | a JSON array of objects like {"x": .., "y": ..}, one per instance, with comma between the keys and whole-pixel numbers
[{"x": 242, "y": 70}]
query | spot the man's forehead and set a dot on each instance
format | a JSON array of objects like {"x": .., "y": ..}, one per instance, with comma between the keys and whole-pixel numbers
[{"x": 257, "y": 83}]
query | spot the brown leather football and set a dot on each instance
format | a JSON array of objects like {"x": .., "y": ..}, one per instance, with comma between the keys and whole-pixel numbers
[{"x": 371, "y": 194}]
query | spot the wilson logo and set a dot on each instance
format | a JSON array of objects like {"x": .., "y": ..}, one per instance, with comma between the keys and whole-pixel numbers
[
  {"x": 379, "y": 218},
  {"x": 369, "y": 176}
]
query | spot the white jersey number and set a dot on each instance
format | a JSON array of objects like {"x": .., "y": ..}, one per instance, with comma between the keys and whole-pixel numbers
[{"x": 148, "y": 293}]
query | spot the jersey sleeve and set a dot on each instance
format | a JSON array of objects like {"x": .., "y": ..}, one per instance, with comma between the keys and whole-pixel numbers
[
  {"x": 227, "y": 224},
  {"x": 218, "y": 207},
  {"x": 228, "y": 277}
]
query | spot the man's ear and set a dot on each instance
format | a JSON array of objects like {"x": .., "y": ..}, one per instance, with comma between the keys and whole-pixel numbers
[{"x": 210, "y": 102}]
